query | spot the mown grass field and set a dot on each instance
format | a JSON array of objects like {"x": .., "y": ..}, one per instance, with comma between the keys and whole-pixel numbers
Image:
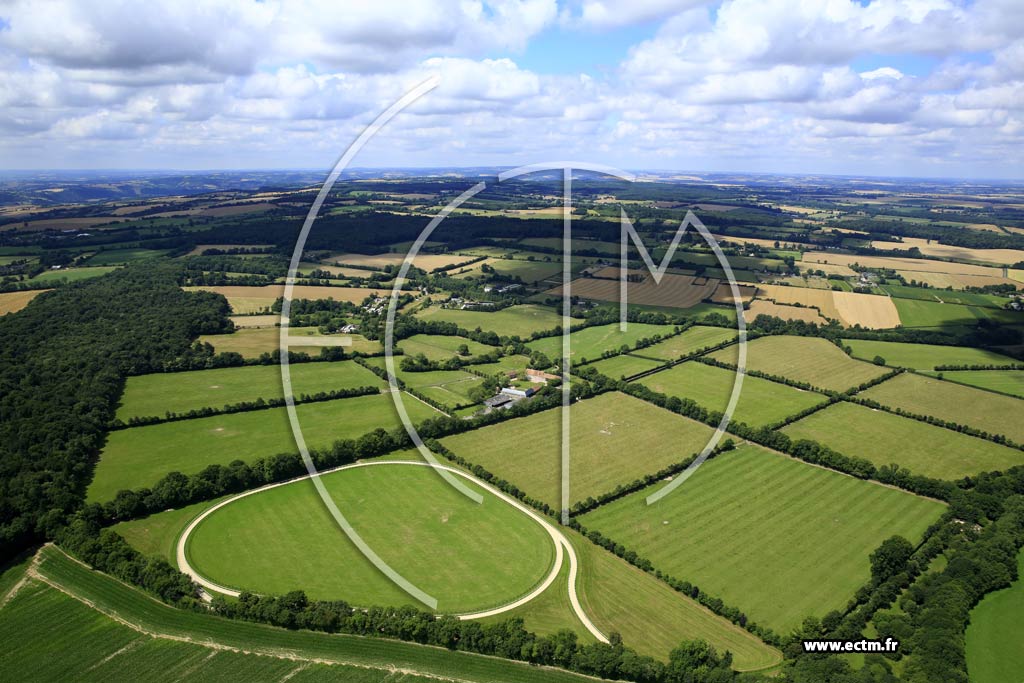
[
  {"x": 1003, "y": 381},
  {"x": 775, "y": 537},
  {"x": 924, "y": 395},
  {"x": 914, "y": 313},
  {"x": 440, "y": 347},
  {"x": 140, "y": 456},
  {"x": 33, "y": 634},
  {"x": 157, "y": 534},
  {"x": 761, "y": 401},
  {"x": 615, "y": 439},
  {"x": 994, "y": 652},
  {"x": 157, "y": 394},
  {"x": 522, "y": 320},
  {"x": 624, "y": 365},
  {"x": 693, "y": 340},
  {"x": 590, "y": 342},
  {"x": 924, "y": 357},
  {"x": 449, "y": 387},
  {"x": 816, "y": 361},
  {"x": 884, "y": 438},
  {"x": 468, "y": 556},
  {"x": 113, "y": 257},
  {"x": 652, "y": 617},
  {"x": 252, "y": 343},
  {"x": 73, "y": 274}
]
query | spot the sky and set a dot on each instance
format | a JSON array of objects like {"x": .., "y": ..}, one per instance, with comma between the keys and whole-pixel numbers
[{"x": 923, "y": 88}]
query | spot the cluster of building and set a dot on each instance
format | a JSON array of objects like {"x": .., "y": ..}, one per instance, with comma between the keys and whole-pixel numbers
[{"x": 509, "y": 396}]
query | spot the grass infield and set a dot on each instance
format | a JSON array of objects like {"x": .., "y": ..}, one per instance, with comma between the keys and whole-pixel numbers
[
  {"x": 468, "y": 556},
  {"x": 924, "y": 357},
  {"x": 995, "y": 653}
]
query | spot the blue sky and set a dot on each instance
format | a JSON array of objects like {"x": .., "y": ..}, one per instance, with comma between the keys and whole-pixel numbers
[{"x": 886, "y": 87}]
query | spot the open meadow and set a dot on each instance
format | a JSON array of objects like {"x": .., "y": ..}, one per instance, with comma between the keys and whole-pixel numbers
[
  {"x": 951, "y": 402},
  {"x": 468, "y": 556},
  {"x": 140, "y": 456},
  {"x": 440, "y": 347},
  {"x": 254, "y": 342},
  {"x": 816, "y": 361},
  {"x": 522, "y": 320},
  {"x": 775, "y": 537},
  {"x": 615, "y": 439},
  {"x": 992, "y": 656},
  {"x": 761, "y": 403},
  {"x": 590, "y": 342},
  {"x": 624, "y": 365},
  {"x": 693, "y": 340},
  {"x": 178, "y": 392},
  {"x": 243, "y": 299},
  {"x": 1004, "y": 381},
  {"x": 884, "y": 439},
  {"x": 924, "y": 357}
]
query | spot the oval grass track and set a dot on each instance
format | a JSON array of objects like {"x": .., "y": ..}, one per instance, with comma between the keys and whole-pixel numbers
[
  {"x": 470, "y": 557},
  {"x": 777, "y": 538}
]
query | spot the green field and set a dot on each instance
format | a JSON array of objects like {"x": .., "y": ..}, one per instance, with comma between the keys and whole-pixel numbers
[
  {"x": 995, "y": 653},
  {"x": 522, "y": 320},
  {"x": 113, "y": 257},
  {"x": 440, "y": 347},
  {"x": 504, "y": 364},
  {"x": 530, "y": 271},
  {"x": 615, "y": 439},
  {"x": 177, "y": 392},
  {"x": 157, "y": 534},
  {"x": 73, "y": 274},
  {"x": 590, "y": 342},
  {"x": 777, "y": 538},
  {"x": 1003, "y": 381},
  {"x": 923, "y": 395},
  {"x": 884, "y": 438},
  {"x": 40, "y": 621},
  {"x": 492, "y": 553},
  {"x": 253, "y": 342},
  {"x": 449, "y": 387},
  {"x": 761, "y": 401},
  {"x": 624, "y": 365},
  {"x": 928, "y": 294},
  {"x": 695, "y": 339},
  {"x": 140, "y": 456},
  {"x": 816, "y": 361},
  {"x": 577, "y": 244},
  {"x": 924, "y": 357},
  {"x": 914, "y": 313}
]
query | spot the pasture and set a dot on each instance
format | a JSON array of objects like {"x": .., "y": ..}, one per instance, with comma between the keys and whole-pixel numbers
[
  {"x": 522, "y": 320},
  {"x": 441, "y": 347},
  {"x": 951, "y": 402},
  {"x": 254, "y": 342},
  {"x": 816, "y": 361},
  {"x": 590, "y": 342},
  {"x": 761, "y": 403},
  {"x": 73, "y": 274},
  {"x": 992, "y": 655},
  {"x": 30, "y": 634},
  {"x": 615, "y": 439},
  {"x": 624, "y": 365},
  {"x": 179, "y": 392},
  {"x": 449, "y": 387},
  {"x": 693, "y": 340},
  {"x": 930, "y": 314},
  {"x": 1004, "y": 381},
  {"x": 469, "y": 556},
  {"x": 243, "y": 299},
  {"x": 11, "y": 302},
  {"x": 140, "y": 456},
  {"x": 652, "y": 617},
  {"x": 924, "y": 357},
  {"x": 115, "y": 257},
  {"x": 885, "y": 439},
  {"x": 772, "y": 536}
]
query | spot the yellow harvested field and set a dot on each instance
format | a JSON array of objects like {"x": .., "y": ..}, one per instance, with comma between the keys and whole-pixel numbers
[
  {"x": 335, "y": 270},
  {"x": 676, "y": 291},
  {"x": 997, "y": 256},
  {"x": 989, "y": 227},
  {"x": 828, "y": 269},
  {"x": 246, "y": 321},
  {"x": 770, "y": 244},
  {"x": 15, "y": 301},
  {"x": 959, "y": 281},
  {"x": 867, "y": 310},
  {"x": 1016, "y": 275},
  {"x": 62, "y": 223},
  {"x": 899, "y": 263},
  {"x": 723, "y": 295},
  {"x": 425, "y": 261},
  {"x": 253, "y": 342},
  {"x": 259, "y": 299},
  {"x": 762, "y": 307},
  {"x": 849, "y": 308}
]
